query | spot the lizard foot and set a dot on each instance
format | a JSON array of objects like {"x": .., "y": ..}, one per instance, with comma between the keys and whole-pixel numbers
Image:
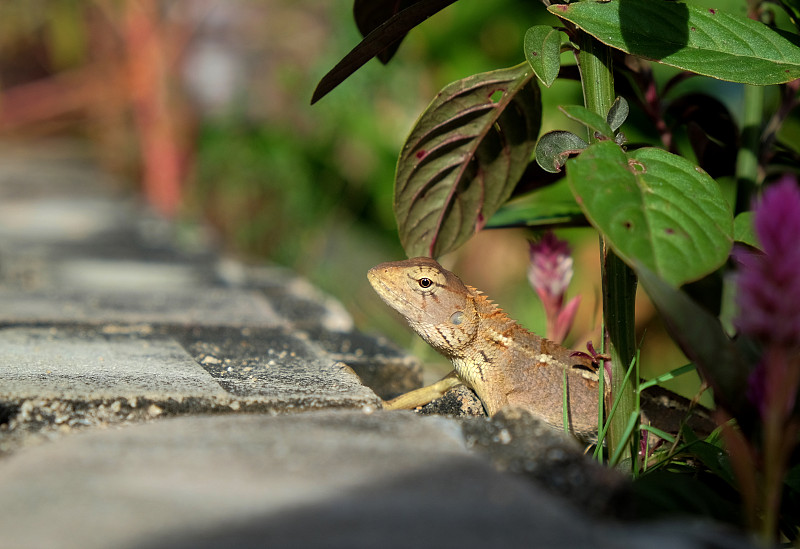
[{"x": 424, "y": 395}]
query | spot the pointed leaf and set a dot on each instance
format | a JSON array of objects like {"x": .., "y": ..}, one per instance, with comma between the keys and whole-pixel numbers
[
  {"x": 463, "y": 158},
  {"x": 655, "y": 208},
  {"x": 554, "y": 148},
  {"x": 370, "y": 14},
  {"x": 700, "y": 336},
  {"x": 743, "y": 230},
  {"x": 386, "y": 34},
  {"x": 705, "y": 41},
  {"x": 545, "y": 207},
  {"x": 618, "y": 113},
  {"x": 590, "y": 119},
  {"x": 543, "y": 52}
]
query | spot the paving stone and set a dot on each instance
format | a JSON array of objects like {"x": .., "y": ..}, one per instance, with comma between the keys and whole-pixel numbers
[
  {"x": 294, "y": 298},
  {"x": 52, "y": 363},
  {"x": 275, "y": 365},
  {"x": 57, "y": 379},
  {"x": 381, "y": 365},
  {"x": 185, "y": 306},
  {"x": 310, "y": 480}
]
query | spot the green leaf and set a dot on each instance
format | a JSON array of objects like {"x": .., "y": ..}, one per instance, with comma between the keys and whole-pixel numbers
[
  {"x": 543, "y": 51},
  {"x": 743, "y": 230},
  {"x": 591, "y": 119},
  {"x": 618, "y": 113},
  {"x": 655, "y": 208},
  {"x": 555, "y": 147},
  {"x": 550, "y": 205},
  {"x": 463, "y": 158},
  {"x": 700, "y": 336},
  {"x": 705, "y": 41}
]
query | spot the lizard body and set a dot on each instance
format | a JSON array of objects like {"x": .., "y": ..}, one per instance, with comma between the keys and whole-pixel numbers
[{"x": 505, "y": 364}]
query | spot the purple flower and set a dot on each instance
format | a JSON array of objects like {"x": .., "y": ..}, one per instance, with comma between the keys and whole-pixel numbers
[
  {"x": 768, "y": 297},
  {"x": 769, "y": 282},
  {"x": 550, "y": 273}
]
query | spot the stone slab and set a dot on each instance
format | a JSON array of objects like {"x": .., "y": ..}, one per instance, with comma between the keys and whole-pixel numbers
[
  {"x": 184, "y": 306},
  {"x": 381, "y": 365},
  {"x": 56, "y": 379},
  {"x": 275, "y": 365},
  {"x": 59, "y": 220},
  {"x": 52, "y": 363},
  {"x": 343, "y": 479}
]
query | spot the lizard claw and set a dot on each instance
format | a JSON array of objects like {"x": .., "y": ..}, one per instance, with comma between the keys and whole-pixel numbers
[{"x": 592, "y": 355}]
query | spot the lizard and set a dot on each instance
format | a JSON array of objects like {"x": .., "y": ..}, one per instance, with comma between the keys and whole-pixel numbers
[{"x": 501, "y": 361}]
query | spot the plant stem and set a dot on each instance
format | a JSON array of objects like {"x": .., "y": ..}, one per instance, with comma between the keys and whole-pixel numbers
[
  {"x": 619, "y": 281},
  {"x": 747, "y": 175}
]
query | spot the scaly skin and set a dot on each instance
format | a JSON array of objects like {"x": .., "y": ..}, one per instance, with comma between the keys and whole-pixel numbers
[{"x": 505, "y": 364}]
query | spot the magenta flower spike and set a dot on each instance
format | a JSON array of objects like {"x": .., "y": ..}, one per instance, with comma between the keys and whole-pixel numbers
[
  {"x": 550, "y": 273},
  {"x": 769, "y": 293}
]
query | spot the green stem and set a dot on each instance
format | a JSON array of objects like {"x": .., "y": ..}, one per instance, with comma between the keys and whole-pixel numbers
[
  {"x": 619, "y": 281},
  {"x": 747, "y": 176}
]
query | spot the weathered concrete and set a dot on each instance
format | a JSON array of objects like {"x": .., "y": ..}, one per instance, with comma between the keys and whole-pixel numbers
[
  {"x": 109, "y": 330},
  {"x": 343, "y": 479},
  {"x": 185, "y": 306}
]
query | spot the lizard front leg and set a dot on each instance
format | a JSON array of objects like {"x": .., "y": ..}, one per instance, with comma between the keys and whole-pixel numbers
[{"x": 423, "y": 395}]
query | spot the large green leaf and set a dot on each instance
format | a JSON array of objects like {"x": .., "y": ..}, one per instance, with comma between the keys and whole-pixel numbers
[
  {"x": 545, "y": 207},
  {"x": 654, "y": 207},
  {"x": 705, "y": 41},
  {"x": 463, "y": 158},
  {"x": 700, "y": 336}
]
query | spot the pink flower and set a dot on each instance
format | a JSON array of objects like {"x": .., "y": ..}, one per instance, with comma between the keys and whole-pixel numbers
[
  {"x": 768, "y": 297},
  {"x": 769, "y": 283},
  {"x": 550, "y": 273}
]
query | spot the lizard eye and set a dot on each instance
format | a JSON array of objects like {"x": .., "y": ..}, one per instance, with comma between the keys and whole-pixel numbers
[{"x": 425, "y": 282}]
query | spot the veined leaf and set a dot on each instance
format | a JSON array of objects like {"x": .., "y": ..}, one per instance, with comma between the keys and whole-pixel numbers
[
  {"x": 554, "y": 148},
  {"x": 705, "y": 41},
  {"x": 655, "y": 208},
  {"x": 618, "y": 113},
  {"x": 543, "y": 51},
  {"x": 463, "y": 158},
  {"x": 592, "y": 120}
]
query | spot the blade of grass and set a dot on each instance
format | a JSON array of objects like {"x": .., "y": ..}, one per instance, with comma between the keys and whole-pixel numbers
[
  {"x": 626, "y": 434},
  {"x": 602, "y": 434},
  {"x": 565, "y": 404},
  {"x": 672, "y": 374}
]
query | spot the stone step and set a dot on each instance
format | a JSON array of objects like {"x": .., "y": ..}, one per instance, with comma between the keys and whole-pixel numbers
[{"x": 320, "y": 479}]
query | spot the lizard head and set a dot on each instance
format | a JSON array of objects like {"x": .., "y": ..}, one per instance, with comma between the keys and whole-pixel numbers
[{"x": 434, "y": 301}]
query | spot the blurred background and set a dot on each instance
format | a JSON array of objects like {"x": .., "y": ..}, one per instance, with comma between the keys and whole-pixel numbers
[{"x": 202, "y": 107}]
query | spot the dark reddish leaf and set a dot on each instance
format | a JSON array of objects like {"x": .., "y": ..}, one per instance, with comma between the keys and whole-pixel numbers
[
  {"x": 370, "y": 14},
  {"x": 463, "y": 158},
  {"x": 384, "y": 35}
]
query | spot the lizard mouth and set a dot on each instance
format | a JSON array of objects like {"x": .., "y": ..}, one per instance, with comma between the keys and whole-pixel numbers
[{"x": 396, "y": 300}]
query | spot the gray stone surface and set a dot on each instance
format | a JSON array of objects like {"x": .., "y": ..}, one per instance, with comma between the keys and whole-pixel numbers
[
  {"x": 113, "y": 323},
  {"x": 50, "y": 363},
  {"x": 344, "y": 479},
  {"x": 184, "y": 306},
  {"x": 58, "y": 378}
]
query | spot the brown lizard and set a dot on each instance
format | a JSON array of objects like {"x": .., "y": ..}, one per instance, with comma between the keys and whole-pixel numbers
[{"x": 505, "y": 364}]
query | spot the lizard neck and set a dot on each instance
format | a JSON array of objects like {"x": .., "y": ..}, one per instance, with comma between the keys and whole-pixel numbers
[{"x": 490, "y": 342}]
